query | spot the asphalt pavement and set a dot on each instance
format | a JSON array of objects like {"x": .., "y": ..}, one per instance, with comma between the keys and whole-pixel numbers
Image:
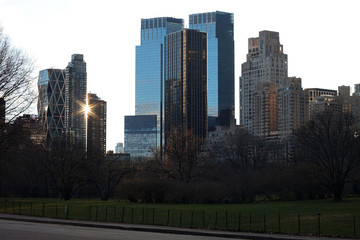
[{"x": 8, "y": 227}]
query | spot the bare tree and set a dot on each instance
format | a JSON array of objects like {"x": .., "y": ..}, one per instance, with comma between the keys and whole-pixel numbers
[
  {"x": 183, "y": 154},
  {"x": 106, "y": 172},
  {"x": 65, "y": 165},
  {"x": 16, "y": 88},
  {"x": 244, "y": 151},
  {"x": 16, "y": 82},
  {"x": 332, "y": 140}
]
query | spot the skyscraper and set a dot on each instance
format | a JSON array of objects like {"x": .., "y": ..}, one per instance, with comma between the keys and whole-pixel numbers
[
  {"x": 266, "y": 62},
  {"x": 186, "y": 82},
  {"x": 96, "y": 125},
  {"x": 219, "y": 27},
  {"x": 140, "y": 135},
  {"x": 149, "y": 67},
  {"x": 75, "y": 98},
  {"x": 51, "y": 102}
]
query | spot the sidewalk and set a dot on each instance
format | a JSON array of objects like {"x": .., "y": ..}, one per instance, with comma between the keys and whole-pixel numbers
[{"x": 158, "y": 229}]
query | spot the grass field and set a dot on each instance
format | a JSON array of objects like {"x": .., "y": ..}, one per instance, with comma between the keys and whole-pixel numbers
[{"x": 320, "y": 217}]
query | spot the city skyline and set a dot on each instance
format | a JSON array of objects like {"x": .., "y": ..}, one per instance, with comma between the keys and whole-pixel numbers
[{"x": 311, "y": 34}]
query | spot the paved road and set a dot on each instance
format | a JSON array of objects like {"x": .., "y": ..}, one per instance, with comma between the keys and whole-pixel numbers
[{"x": 13, "y": 230}]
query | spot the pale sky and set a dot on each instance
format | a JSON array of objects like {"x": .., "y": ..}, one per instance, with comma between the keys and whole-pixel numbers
[{"x": 321, "y": 38}]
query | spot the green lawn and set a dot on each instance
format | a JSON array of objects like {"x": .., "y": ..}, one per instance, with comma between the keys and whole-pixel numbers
[{"x": 294, "y": 217}]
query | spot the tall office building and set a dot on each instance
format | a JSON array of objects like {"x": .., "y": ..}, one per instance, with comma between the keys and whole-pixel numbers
[
  {"x": 293, "y": 107},
  {"x": 149, "y": 67},
  {"x": 313, "y": 93},
  {"x": 219, "y": 27},
  {"x": 96, "y": 125},
  {"x": 140, "y": 135},
  {"x": 51, "y": 102},
  {"x": 344, "y": 91},
  {"x": 186, "y": 82},
  {"x": 266, "y": 63},
  {"x": 356, "y": 89},
  {"x": 75, "y": 98}
]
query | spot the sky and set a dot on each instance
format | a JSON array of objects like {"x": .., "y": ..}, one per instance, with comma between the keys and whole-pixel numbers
[{"x": 320, "y": 37}]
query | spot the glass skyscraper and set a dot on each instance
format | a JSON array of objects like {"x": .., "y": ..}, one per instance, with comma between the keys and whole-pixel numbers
[
  {"x": 75, "y": 98},
  {"x": 51, "y": 101},
  {"x": 149, "y": 67},
  {"x": 140, "y": 135},
  {"x": 219, "y": 27},
  {"x": 186, "y": 82}
]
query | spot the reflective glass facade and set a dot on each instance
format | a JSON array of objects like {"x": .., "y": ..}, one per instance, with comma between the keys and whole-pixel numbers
[
  {"x": 149, "y": 66},
  {"x": 219, "y": 27},
  {"x": 96, "y": 125},
  {"x": 51, "y": 101},
  {"x": 186, "y": 82},
  {"x": 140, "y": 135},
  {"x": 75, "y": 89}
]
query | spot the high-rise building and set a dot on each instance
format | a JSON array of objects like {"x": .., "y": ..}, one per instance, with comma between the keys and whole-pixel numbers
[
  {"x": 344, "y": 91},
  {"x": 119, "y": 148},
  {"x": 96, "y": 125},
  {"x": 293, "y": 105},
  {"x": 51, "y": 102},
  {"x": 186, "y": 82},
  {"x": 75, "y": 98},
  {"x": 266, "y": 63},
  {"x": 149, "y": 68},
  {"x": 317, "y": 92},
  {"x": 140, "y": 135},
  {"x": 219, "y": 27},
  {"x": 356, "y": 89}
]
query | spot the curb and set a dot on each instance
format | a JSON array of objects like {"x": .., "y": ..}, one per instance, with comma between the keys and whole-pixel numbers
[{"x": 155, "y": 229}]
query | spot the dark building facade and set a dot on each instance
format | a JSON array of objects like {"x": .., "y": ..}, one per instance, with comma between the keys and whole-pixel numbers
[
  {"x": 96, "y": 125},
  {"x": 186, "y": 82},
  {"x": 140, "y": 135},
  {"x": 75, "y": 98},
  {"x": 51, "y": 102},
  {"x": 219, "y": 27}
]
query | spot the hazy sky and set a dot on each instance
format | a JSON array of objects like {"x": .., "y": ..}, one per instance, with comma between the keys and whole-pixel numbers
[{"x": 320, "y": 37}]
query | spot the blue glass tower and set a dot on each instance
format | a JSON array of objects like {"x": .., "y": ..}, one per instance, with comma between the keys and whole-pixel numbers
[
  {"x": 219, "y": 27},
  {"x": 149, "y": 67}
]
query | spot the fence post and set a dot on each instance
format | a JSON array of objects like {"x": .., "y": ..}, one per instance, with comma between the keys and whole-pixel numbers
[
  {"x": 203, "y": 217},
  {"x": 122, "y": 214},
  {"x": 250, "y": 222},
  {"x": 56, "y": 209},
  {"x": 106, "y": 210},
  {"x": 153, "y": 216},
  {"x": 239, "y": 221},
  {"x": 192, "y": 219},
  {"x": 216, "y": 220},
  {"x": 67, "y": 212},
  {"x": 299, "y": 223},
  {"x": 319, "y": 223},
  {"x": 226, "y": 222},
  {"x": 354, "y": 227},
  {"x": 180, "y": 218},
  {"x": 12, "y": 203},
  {"x": 96, "y": 213},
  {"x": 19, "y": 208},
  {"x": 279, "y": 224},
  {"x": 114, "y": 213},
  {"x": 132, "y": 215},
  {"x": 43, "y": 210},
  {"x": 264, "y": 223},
  {"x": 143, "y": 213},
  {"x": 31, "y": 213},
  {"x": 168, "y": 218},
  {"x": 90, "y": 213},
  {"x": 5, "y": 206}
]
